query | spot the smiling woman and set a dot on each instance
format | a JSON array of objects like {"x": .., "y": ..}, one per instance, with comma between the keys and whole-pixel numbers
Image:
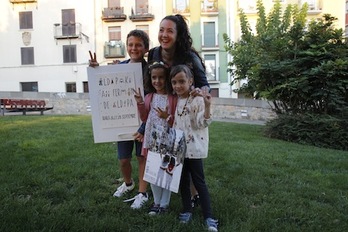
[{"x": 176, "y": 48}]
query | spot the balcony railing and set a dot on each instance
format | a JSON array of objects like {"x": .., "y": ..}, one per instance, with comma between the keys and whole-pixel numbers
[
  {"x": 141, "y": 14},
  {"x": 209, "y": 7},
  {"x": 114, "y": 49},
  {"x": 248, "y": 7},
  {"x": 314, "y": 6},
  {"x": 67, "y": 31},
  {"x": 181, "y": 11},
  {"x": 22, "y": 1},
  {"x": 113, "y": 14}
]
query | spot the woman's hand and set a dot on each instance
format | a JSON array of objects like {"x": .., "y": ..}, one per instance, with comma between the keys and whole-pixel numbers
[{"x": 199, "y": 91}]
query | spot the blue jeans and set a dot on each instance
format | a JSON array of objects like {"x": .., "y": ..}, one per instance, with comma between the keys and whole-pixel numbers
[{"x": 194, "y": 168}]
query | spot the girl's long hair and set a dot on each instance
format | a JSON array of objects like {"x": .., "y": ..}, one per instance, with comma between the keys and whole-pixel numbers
[{"x": 147, "y": 77}]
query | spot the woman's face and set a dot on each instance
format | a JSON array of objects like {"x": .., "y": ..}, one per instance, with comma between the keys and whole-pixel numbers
[{"x": 167, "y": 34}]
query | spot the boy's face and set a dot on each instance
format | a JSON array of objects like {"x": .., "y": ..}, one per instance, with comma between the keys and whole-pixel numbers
[{"x": 136, "y": 48}]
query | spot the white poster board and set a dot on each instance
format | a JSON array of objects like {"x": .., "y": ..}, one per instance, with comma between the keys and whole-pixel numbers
[
  {"x": 114, "y": 110},
  {"x": 165, "y": 158}
]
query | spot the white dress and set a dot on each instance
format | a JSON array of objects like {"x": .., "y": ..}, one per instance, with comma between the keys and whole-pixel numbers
[
  {"x": 191, "y": 120},
  {"x": 158, "y": 101}
]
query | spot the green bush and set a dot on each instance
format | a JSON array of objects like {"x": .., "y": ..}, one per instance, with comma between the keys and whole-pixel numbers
[{"x": 312, "y": 129}]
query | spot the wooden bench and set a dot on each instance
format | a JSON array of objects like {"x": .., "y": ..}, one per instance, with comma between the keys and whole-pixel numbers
[{"x": 23, "y": 105}]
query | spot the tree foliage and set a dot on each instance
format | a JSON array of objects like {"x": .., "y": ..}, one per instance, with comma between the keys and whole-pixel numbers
[{"x": 302, "y": 68}]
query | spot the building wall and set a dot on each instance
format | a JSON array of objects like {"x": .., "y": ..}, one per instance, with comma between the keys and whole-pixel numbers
[
  {"x": 48, "y": 69},
  {"x": 157, "y": 8},
  {"x": 52, "y": 74}
]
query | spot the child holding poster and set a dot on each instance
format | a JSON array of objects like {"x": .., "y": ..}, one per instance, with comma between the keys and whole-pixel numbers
[
  {"x": 157, "y": 109},
  {"x": 193, "y": 117},
  {"x": 137, "y": 46}
]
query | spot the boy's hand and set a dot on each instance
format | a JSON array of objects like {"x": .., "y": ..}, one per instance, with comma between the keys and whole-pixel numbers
[
  {"x": 138, "y": 137},
  {"x": 137, "y": 96},
  {"x": 93, "y": 61}
]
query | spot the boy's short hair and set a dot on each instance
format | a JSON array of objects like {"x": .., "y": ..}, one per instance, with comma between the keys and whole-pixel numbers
[{"x": 140, "y": 34}]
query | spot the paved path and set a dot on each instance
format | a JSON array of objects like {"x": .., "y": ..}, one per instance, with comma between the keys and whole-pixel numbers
[{"x": 243, "y": 121}]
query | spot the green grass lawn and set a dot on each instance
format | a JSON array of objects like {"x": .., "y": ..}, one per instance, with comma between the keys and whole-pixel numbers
[{"x": 54, "y": 178}]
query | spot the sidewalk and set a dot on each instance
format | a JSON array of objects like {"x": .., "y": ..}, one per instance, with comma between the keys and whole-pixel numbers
[{"x": 243, "y": 121}]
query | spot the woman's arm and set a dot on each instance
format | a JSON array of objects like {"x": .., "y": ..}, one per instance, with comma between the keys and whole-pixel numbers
[{"x": 200, "y": 78}]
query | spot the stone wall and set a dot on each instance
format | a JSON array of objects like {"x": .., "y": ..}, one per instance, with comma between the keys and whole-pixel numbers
[{"x": 78, "y": 103}]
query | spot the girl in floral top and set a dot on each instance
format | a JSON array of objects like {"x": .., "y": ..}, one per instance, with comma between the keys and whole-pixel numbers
[
  {"x": 193, "y": 117},
  {"x": 158, "y": 109}
]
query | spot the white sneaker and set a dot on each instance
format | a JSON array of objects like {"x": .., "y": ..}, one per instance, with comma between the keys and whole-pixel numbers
[
  {"x": 123, "y": 189},
  {"x": 139, "y": 201}
]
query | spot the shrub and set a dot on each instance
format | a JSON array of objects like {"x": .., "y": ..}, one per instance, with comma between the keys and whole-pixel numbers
[{"x": 312, "y": 129}]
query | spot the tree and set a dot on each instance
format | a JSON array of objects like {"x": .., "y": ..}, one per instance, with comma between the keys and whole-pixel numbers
[{"x": 302, "y": 69}]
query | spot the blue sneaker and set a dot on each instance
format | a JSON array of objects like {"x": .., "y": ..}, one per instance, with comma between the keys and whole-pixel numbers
[
  {"x": 185, "y": 217},
  {"x": 212, "y": 224}
]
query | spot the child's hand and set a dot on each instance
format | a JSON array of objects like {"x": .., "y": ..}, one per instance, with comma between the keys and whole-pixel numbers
[
  {"x": 206, "y": 95},
  {"x": 93, "y": 61},
  {"x": 138, "y": 137},
  {"x": 162, "y": 113},
  {"x": 137, "y": 96}
]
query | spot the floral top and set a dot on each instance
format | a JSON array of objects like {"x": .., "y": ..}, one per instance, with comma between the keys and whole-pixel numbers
[
  {"x": 158, "y": 101},
  {"x": 189, "y": 118}
]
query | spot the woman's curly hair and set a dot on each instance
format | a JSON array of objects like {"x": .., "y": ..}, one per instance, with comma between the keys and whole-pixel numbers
[{"x": 183, "y": 41}]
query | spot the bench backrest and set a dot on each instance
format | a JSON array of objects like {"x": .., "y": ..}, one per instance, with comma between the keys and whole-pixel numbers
[{"x": 23, "y": 103}]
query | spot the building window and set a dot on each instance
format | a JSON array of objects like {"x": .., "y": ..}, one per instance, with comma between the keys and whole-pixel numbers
[
  {"x": 70, "y": 87},
  {"x": 29, "y": 86},
  {"x": 247, "y": 5},
  {"x": 68, "y": 22},
  {"x": 85, "y": 87},
  {"x": 114, "y": 3},
  {"x": 69, "y": 54},
  {"x": 141, "y": 7},
  {"x": 27, "y": 55},
  {"x": 26, "y": 20},
  {"x": 181, "y": 6},
  {"x": 210, "y": 65},
  {"x": 144, "y": 28},
  {"x": 209, "y": 5},
  {"x": 115, "y": 33},
  {"x": 209, "y": 34}
]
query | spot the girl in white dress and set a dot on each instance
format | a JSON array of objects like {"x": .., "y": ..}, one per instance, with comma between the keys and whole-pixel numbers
[{"x": 158, "y": 108}]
